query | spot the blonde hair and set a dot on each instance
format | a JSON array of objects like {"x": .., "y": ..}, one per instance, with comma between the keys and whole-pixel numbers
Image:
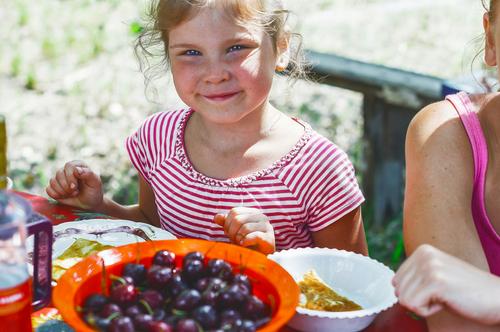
[{"x": 151, "y": 46}]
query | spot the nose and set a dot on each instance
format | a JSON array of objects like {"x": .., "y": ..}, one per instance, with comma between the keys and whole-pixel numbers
[{"x": 216, "y": 72}]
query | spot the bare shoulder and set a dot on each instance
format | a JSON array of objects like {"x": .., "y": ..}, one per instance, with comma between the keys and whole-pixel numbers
[
  {"x": 435, "y": 121},
  {"x": 436, "y": 137},
  {"x": 439, "y": 179}
]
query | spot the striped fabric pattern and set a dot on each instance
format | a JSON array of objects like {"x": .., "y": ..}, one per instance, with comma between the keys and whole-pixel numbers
[{"x": 305, "y": 191}]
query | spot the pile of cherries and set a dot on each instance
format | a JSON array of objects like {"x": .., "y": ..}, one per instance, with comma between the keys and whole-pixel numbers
[{"x": 203, "y": 295}]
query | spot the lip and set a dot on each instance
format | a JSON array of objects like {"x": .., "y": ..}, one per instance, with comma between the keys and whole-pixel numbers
[{"x": 223, "y": 96}]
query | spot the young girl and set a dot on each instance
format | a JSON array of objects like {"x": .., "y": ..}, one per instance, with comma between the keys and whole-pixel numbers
[
  {"x": 231, "y": 166},
  {"x": 451, "y": 202}
]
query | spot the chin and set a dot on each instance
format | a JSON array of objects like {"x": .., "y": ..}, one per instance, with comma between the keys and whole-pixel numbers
[{"x": 222, "y": 115}]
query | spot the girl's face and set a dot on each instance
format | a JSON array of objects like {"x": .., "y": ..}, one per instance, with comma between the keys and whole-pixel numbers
[{"x": 220, "y": 69}]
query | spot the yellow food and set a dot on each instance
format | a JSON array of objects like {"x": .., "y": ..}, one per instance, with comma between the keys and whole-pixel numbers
[
  {"x": 80, "y": 249},
  {"x": 319, "y": 296}
]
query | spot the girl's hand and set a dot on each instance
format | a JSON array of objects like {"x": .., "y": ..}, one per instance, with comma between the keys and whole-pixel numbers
[
  {"x": 248, "y": 227},
  {"x": 76, "y": 185},
  {"x": 430, "y": 280}
]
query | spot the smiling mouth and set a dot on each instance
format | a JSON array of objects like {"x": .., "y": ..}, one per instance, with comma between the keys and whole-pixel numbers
[{"x": 221, "y": 96}]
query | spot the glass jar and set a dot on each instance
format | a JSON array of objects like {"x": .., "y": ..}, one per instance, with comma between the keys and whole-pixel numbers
[{"x": 15, "y": 281}]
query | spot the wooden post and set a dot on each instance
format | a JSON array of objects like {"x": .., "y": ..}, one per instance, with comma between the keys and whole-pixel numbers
[
  {"x": 384, "y": 136},
  {"x": 391, "y": 98}
]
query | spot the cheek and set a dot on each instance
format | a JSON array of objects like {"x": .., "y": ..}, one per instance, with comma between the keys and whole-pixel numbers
[
  {"x": 256, "y": 72},
  {"x": 182, "y": 77}
]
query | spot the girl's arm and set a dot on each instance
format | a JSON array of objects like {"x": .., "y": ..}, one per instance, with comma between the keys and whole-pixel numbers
[
  {"x": 145, "y": 211},
  {"x": 437, "y": 211},
  {"x": 76, "y": 184},
  {"x": 346, "y": 233}
]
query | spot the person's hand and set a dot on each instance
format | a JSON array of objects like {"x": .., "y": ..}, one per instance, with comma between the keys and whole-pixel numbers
[
  {"x": 76, "y": 185},
  {"x": 430, "y": 280},
  {"x": 248, "y": 227}
]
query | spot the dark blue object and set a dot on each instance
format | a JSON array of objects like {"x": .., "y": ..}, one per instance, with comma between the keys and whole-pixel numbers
[{"x": 54, "y": 326}]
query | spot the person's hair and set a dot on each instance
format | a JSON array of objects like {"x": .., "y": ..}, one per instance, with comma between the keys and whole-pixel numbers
[
  {"x": 151, "y": 46},
  {"x": 491, "y": 8}
]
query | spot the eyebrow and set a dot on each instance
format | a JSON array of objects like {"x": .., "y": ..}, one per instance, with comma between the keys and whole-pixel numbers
[
  {"x": 229, "y": 41},
  {"x": 183, "y": 46}
]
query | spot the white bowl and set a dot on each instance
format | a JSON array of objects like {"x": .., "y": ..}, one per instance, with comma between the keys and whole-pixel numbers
[{"x": 357, "y": 277}]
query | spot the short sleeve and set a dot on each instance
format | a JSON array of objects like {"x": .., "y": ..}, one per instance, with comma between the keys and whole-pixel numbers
[
  {"x": 154, "y": 141},
  {"x": 136, "y": 146},
  {"x": 337, "y": 193}
]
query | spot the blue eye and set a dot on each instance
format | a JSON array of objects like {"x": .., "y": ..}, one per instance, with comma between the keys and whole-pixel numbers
[
  {"x": 236, "y": 48},
  {"x": 191, "y": 52}
]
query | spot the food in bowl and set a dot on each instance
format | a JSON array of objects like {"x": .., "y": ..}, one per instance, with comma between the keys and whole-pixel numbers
[
  {"x": 106, "y": 232},
  {"x": 80, "y": 249},
  {"x": 270, "y": 283},
  {"x": 357, "y": 277},
  {"x": 201, "y": 293},
  {"x": 317, "y": 295}
]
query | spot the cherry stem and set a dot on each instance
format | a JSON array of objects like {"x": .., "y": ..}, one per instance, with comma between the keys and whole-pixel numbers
[
  {"x": 147, "y": 306},
  {"x": 119, "y": 279}
]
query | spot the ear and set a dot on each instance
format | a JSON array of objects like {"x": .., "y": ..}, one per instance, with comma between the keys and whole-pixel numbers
[
  {"x": 283, "y": 56},
  {"x": 490, "y": 54}
]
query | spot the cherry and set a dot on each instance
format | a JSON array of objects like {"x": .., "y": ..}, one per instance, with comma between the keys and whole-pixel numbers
[
  {"x": 159, "y": 326},
  {"x": 94, "y": 303},
  {"x": 187, "y": 325},
  {"x": 124, "y": 295},
  {"x": 194, "y": 255},
  {"x": 122, "y": 324},
  {"x": 158, "y": 276},
  {"x": 152, "y": 297},
  {"x": 206, "y": 315},
  {"x": 135, "y": 271},
  {"x": 220, "y": 269},
  {"x": 164, "y": 258},
  {"x": 187, "y": 300},
  {"x": 110, "y": 309}
]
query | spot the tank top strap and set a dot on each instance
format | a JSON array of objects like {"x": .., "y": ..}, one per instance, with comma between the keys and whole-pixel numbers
[
  {"x": 490, "y": 239},
  {"x": 465, "y": 109}
]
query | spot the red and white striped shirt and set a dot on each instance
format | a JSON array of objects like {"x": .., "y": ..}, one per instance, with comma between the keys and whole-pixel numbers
[{"x": 305, "y": 191}]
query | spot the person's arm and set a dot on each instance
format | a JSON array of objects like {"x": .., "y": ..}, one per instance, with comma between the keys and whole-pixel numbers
[
  {"x": 439, "y": 171},
  {"x": 144, "y": 211},
  {"x": 76, "y": 184},
  {"x": 431, "y": 280},
  {"x": 346, "y": 233}
]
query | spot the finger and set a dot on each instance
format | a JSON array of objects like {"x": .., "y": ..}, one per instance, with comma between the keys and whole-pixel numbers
[
  {"x": 56, "y": 187},
  {"x": 89, "y": 177},
  {"x": 429, "y": 310},
  {"x": 63, "y": 182},
  {"x": 52, "y": 193},
  {"x": 243, "y": 216},
  {"x": 76, "y": 163},
  {"x": 233, "y": 225},
  {"x": 259, "y": 241},
  {"x": 403, "y": 270},
  {"x": 246, "y": 229},
  {"x": 220, "y": 219},
  {"x": 69, "y": 172},
  {"x": 414, "y": 294}
]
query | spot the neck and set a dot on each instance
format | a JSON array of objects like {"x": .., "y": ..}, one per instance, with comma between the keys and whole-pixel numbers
[
  {"x": 489, "y": 116},
  {"x": 235, "y": 137}
]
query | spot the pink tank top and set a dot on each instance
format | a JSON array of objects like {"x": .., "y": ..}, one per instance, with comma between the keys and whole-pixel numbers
[{"x": 489, "y": 238}]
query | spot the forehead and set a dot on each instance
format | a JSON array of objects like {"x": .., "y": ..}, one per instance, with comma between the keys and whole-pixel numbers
[{"x": 214, "y": 22}]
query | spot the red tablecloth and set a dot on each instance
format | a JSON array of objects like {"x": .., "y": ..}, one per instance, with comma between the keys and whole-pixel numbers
[{"x": 395, "y": 319}]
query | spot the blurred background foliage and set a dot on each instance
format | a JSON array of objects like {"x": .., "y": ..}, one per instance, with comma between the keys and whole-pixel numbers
[{"x": 71, "y": 88}]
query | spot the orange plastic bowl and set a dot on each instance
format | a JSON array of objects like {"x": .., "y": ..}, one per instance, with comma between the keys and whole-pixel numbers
[{"x": 271, "y": 283}]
